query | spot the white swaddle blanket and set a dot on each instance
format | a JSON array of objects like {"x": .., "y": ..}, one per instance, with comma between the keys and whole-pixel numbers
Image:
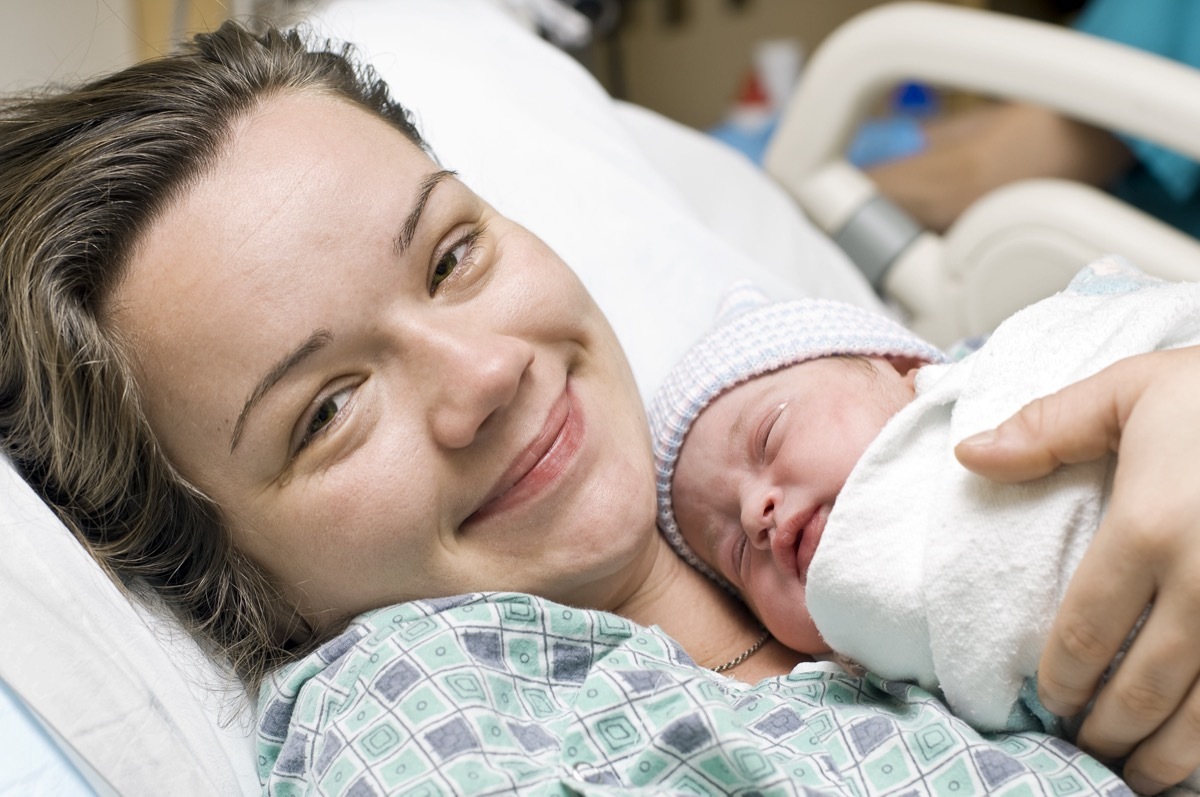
[{"x": 927, "y": 572}]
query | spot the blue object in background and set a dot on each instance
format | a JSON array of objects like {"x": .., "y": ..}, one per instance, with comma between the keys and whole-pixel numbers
[
  {"x": 897, "y": 135},
  {"x": 1165, "y": 183},
  {"x": 882, "y": 140},
  {"x": 751, "y": 141},
  {"x": 915, "y": 99}
]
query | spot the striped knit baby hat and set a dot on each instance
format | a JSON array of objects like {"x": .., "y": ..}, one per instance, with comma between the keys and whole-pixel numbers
[{"x": 754, "y": 337}]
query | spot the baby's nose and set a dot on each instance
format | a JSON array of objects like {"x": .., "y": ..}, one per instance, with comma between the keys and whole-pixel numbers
[{"x": 758, "y": 518}]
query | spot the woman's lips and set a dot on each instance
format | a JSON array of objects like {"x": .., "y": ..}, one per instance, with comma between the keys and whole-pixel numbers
[{"x": 541, "y": 462}]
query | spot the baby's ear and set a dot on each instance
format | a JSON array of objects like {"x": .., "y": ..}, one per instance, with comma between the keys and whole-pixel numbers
[{"x": 906, "y": 366}]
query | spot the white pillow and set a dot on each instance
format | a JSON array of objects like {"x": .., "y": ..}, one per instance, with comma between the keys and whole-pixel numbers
[
  {"x": 132, "y": 694},
  {"x": 729, "y": 195},
  {"x": 656, "y": 219}
]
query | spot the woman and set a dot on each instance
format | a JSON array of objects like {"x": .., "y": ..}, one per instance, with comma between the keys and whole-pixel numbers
[
  {"x": 262, "y": 353},
  {"x": 231, "y": 399}
]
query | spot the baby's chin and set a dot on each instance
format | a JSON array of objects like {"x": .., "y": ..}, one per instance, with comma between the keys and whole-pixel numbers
[
  {"x": 793, "y": 627},
  {"x": 807, "y": 641}
]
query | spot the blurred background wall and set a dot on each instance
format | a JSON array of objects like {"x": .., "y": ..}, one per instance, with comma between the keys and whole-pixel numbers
[
  {"x": 55, "y": 40},
  {"x": 688, "y": 60},
  {"x": 52, "y": 40},
  {"x": 684, "y": 58}
]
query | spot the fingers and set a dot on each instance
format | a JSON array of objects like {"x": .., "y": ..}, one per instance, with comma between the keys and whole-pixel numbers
[
  {"x": 1151, "y": 707},
  {"x": 1130, "y": 562},
  {"x": 1146, "y": 549},
  {"x": 1171, "y": 754},
  {"x": 1107, "y": 594},
  {"x": 1078, "y": 423},
  {"x": 1151, "y": 684},
  {"x": 1158, "y": 682}
]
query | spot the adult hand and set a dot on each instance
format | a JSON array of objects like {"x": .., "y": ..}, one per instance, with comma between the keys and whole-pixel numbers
[
  {"x": 975, "y": 151},
  {"x": 1147, "y": 409}
]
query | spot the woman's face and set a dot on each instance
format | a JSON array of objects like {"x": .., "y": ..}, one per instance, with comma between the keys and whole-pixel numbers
[{"x": 390, "y": 390}]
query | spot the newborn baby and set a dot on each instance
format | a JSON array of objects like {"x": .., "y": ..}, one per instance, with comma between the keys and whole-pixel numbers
[
  {"x": 805, "y": 461},
  {"x": 786, "y": 399}
]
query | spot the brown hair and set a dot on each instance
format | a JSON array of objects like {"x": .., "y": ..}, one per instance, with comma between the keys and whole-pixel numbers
[{"x": 83, "y": 174}]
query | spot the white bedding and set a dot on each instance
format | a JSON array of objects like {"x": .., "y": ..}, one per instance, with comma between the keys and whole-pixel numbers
[{"x": 657, "y": 220}]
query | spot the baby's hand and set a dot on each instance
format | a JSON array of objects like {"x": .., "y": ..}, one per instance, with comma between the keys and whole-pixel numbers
[{"x": 1147, "y": 409}]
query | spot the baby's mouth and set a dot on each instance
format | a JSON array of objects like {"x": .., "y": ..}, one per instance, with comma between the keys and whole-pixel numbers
[
  {"x": 796, "y": 541},
  {"x": 787, "y": 541},
  {"x": 809, "y": 539}
]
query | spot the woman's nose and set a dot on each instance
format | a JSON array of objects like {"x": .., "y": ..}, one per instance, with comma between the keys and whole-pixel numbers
[
  {"x": 474, "y": 376},
  {"x": 758, "y": 514}
]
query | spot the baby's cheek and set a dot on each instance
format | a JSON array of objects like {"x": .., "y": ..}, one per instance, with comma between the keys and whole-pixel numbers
[
  {"x": 782, "y": 612},
  {"x": 704, "y": 549},
  {"x": 758, "y": 598},
  {"x": 722, "y": 569}
]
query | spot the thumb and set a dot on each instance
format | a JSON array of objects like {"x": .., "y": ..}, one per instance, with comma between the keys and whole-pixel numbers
[{"x": 1079, "y": 423}]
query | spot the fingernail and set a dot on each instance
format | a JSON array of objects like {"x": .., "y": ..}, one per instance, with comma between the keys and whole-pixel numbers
[
  {"x": 981, "y": 439},
  {"x": 1144, "y": 785}
]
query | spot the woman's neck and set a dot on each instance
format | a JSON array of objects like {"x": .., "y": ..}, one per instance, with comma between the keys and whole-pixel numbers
[{"x": 713, "y": 626}]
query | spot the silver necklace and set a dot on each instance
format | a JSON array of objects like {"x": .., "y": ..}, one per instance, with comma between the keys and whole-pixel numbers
[{"x": 750, "y": 651}]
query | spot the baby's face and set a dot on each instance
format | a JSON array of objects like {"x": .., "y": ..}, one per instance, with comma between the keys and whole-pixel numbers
[{"x": 760, "y": 470}]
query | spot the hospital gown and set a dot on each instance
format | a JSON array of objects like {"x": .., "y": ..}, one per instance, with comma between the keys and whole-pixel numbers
[{"x": 507, "y": 693}]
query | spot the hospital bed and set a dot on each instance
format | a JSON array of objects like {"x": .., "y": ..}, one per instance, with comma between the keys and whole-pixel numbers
[
  {"x": 659, "y": 220},
  {"x": 1018, "y": 244}
]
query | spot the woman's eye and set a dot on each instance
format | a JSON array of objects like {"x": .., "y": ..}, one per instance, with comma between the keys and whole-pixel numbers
[
  {"x": 453, "y": 258},
  {"x": 446, "y": 265},
  {"x": 323, "y": 415}
]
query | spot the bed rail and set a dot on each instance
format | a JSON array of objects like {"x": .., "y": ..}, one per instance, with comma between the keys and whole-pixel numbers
[{"x": 1022, "y": 230}]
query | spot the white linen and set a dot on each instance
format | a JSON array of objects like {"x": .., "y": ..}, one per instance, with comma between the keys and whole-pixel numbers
[
  {"x": 133, "y": 695},
  {"x": 927, "y": 572}
]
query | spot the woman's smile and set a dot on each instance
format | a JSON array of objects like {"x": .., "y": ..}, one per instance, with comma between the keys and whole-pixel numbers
[{"x": 538, "y": 467}]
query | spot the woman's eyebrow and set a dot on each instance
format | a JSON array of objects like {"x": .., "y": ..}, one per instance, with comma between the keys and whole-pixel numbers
[
  {"x": 409, "y": 228},
  {"x": 318, "y": 340},
  {"x": 321, "y": 338}
]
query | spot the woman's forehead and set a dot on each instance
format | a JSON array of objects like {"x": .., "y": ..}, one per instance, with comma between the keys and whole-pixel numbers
[
  {"x": 256, "y": 250},
  {"x": 295, "y": 172}
]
